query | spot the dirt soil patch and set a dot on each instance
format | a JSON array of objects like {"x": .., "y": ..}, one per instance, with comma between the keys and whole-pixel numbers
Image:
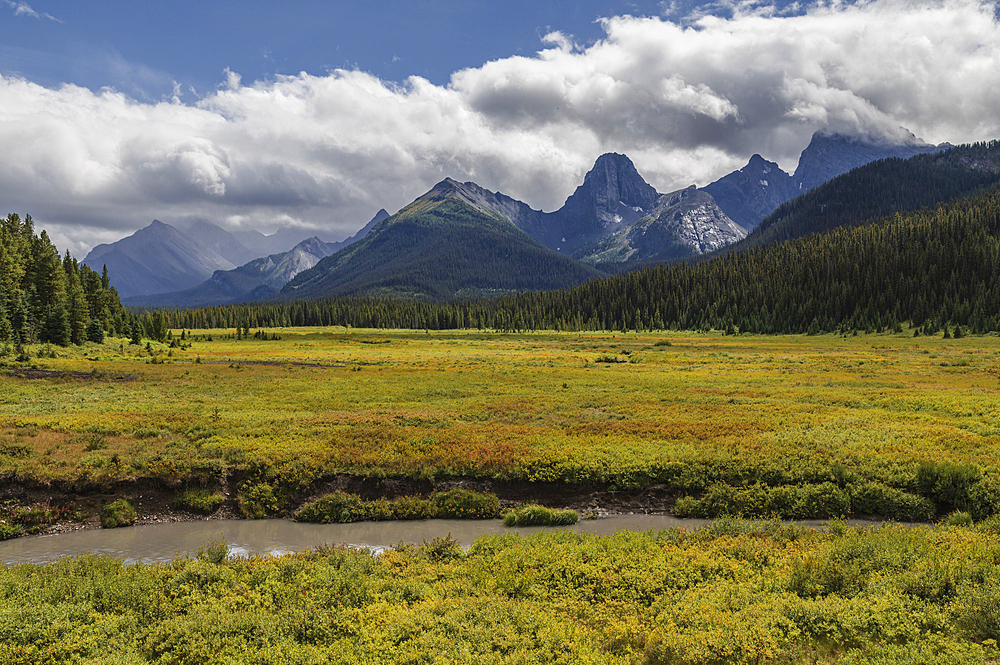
[
  {"x": 153, "y": 498},
  {"x": 57, "y": 374}
]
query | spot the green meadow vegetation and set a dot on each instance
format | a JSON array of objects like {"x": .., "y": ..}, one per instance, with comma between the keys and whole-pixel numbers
[
  {"x": 792, "y": 426},
  {"x": 734, "y": 592},
  {"x": 456, "y": 503},
  {"x": 795, "y": 426}
]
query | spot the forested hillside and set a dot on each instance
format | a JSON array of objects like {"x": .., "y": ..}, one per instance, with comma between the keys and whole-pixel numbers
[
  {"x": 879, "y": 189},
  {"x": 933, "y": 268},
  {"x": 439, "y": 247},
  {"x": 45, "y": 298}
]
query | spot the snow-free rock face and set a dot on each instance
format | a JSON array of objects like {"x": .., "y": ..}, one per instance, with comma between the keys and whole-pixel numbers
[
  {"x": 830, "y": 155},
  {"x": 156, "y": 259},
  {"x": 683, "y": 223},
  {"x": 612, "y": 197},
  {"x": 749, "y": 195}
]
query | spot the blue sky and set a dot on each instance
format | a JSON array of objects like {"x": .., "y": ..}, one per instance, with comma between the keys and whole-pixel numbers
[
  {"x": 317, "y": 114},
  {"x": 143, "y": 48}
]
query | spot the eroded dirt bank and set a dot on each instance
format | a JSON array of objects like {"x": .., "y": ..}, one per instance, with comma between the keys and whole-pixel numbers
[{"x": 73, "y": 505}]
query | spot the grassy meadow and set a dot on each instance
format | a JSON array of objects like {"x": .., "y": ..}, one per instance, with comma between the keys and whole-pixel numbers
[
  {"x": 793, "y": 426},
  {"x": 733, "y": 593},
  {"x": 697, "y": 413}
]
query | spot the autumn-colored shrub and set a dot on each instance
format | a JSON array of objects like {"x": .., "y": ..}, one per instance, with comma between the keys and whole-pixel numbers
[
  {"x": 461, "y": 503},
  {"x": 536, "y": 515}
]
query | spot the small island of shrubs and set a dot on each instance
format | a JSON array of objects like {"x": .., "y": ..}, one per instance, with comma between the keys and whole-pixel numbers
[{"x": 456, "y": 503}]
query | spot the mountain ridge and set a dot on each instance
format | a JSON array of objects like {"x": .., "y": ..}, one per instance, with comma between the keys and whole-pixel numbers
[
  {"x": 404, "y": 255},
  {"x": 257, "y": 279},
  {"x": 156, "y": 258},
  {"x": 750, "y": 194}
]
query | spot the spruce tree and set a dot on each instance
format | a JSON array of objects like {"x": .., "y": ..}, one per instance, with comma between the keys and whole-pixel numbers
[
  {"x": 56, "y": 327},
  {"x": 6, "y": 330},
  {"x": 95, "y": 332},
  {"x": 20, "y": 327},
  {"x": 76, "y": 300},
  {"x": 49, "y": 277}
]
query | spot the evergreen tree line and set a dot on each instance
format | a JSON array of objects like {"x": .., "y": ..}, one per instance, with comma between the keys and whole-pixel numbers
[
  {"x": 931, "y": 268},
  {"x": 45, "y": 298}
]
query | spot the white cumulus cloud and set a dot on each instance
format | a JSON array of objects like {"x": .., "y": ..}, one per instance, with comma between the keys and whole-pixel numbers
[{"x": 687, "y": 98}]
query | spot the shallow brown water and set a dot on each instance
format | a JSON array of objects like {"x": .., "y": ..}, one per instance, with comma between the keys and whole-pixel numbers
[{"x": 163, "y": 542}]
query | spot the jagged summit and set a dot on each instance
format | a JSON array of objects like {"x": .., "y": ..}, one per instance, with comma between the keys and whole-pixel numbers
[
  {"x": 612, "y": 184},
  {"x": 613, "y": 195},
  {"x": 749, "y": 195},
  {"x": 613, "y": 216},
  {"x": 614, "y": 180},
  {"x": 756, "y": 190}
]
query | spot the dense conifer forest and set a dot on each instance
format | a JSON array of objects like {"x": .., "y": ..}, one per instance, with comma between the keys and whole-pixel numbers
[
  {"x": 933, "y": 269},
  {"x": 48, "y": 299}
]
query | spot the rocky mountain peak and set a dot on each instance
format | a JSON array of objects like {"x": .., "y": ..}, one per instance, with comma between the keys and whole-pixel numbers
[
  {"x": 613, "y": 195},
  {"x": 614, "y": 180},
  {"x": 758, "y": 164}
]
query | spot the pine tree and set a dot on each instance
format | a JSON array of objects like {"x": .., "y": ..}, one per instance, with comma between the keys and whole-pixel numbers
[
  {"x": 76, "y": 300},
  {"x": 6, "y": 330},
  {"x": 95, "y": 332},
  {"x": 56, "y": 326}
]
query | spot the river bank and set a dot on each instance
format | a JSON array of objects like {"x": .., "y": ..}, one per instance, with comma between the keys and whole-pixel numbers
[{"x": 75, "y": 506}]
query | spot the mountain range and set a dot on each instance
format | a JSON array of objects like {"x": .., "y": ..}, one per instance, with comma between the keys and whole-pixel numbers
[
  {"x": 161, "y": 266},
  {"x": 460, "y": 239},
  {"x": 752, "y": 193}
]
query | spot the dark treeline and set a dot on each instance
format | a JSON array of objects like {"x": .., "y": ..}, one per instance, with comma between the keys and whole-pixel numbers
[
  {"x": 45, "y": 298},
  {"x": 933, "y": 268}
]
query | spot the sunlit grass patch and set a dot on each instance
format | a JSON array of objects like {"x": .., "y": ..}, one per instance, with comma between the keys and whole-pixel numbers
[{"x": 534, "y": 407}]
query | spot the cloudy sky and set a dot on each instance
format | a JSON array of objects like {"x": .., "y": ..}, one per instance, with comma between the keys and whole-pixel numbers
[{"x": 318, "y": 113}]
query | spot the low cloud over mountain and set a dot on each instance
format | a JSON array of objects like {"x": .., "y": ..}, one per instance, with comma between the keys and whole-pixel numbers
[{"x": 688, "y": 99}]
